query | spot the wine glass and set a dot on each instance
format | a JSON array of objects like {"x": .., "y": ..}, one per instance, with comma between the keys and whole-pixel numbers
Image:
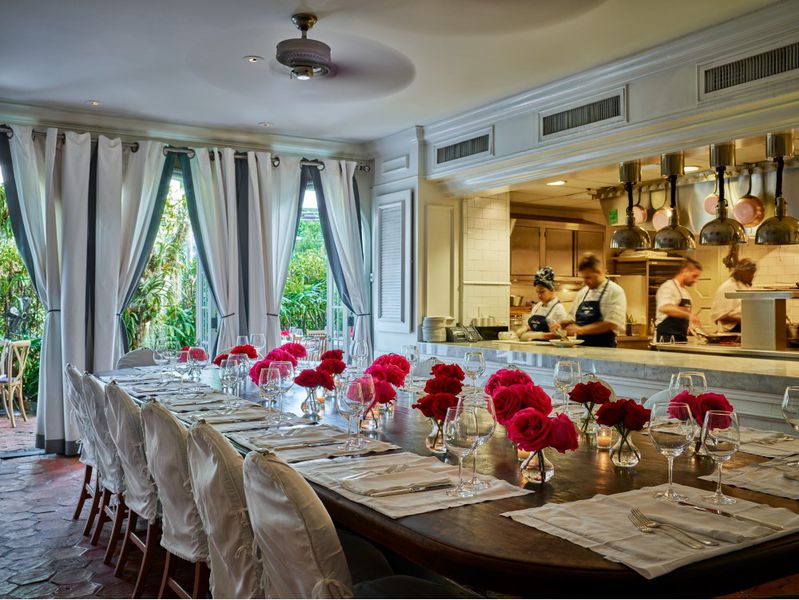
[
  {"x": 671, "y": 428},
  {"x": 269, "y": 386},
  {"x": 486, "y": 418},
  {"x": 790, "y": 406},
  {"x": 680, "y": 382},
  {"x": 258, "y": 341},
  {"x": 359, "y": 353},
  {"x": 242, "y": 340},
  {"x": 411, "y": 354},
  {"x": 199, "y": 356},
  {"x": 721, "y": 437},
  {"x": 697, "y": 379},
  {"x": 349, "y": 403},
  {"x": 183, "y": 364},
  {"x": 567, "y": 374},
  {"x": 460, "y": 438},
  {"x": 244, "y": 365},
  {"x": 474, "y": 365},
  {"x": 229, "y": 377},
  {"x": 361, "y": 389}
]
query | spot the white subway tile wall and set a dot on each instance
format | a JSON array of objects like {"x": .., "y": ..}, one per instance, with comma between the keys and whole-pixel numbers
[{"x": 486, "y": 257}]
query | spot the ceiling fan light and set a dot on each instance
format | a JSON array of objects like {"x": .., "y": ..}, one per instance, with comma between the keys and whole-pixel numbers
[{"x": 302, "y": 73}]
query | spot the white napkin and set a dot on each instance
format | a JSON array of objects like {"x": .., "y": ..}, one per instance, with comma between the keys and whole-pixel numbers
[
  {"x": 769, "y": 444},
  {"x": 774, "y": 477},
  {"x": 269, "y": 421},
  {"x": 376, "y": 484},
  {"x": 246, "y": 414},
  {"x": 298, "y": 437}
]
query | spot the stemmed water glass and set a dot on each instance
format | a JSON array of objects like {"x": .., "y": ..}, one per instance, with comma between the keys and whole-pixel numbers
[
  {"x": 269, "y": 385},
  {"x": 790, "y": 406},
  {"x": 286, "y": 371},
  {"x": 567, "y": 374},
  {"x": 460, "y": 438},
  {"x": 258, "y": 341},
  {"x": 350, "y": 404},
  {"x": 229, "y": 377},
  {"x": 359, "y": 395},
  {"x": 486, "y": 418},
  {"x": 671, "y": 428},
  {"x": 411, "y": 354},
  {"x": 474, "y": 365},
  {"x": 721, "y": 437},
  {"x": 698, "y": 381},
  {"x": 243, "y": 362},
  {"x": 359, "y": 354},
  {"x": 183, "y": 364},
  {"x": 242, "y": 340},
  {"x": 199, "y": 357}
]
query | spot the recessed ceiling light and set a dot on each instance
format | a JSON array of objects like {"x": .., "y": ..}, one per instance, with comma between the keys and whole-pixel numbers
[
  {"x": 252, "y": 58},
  {"x": 264, "y": 124},
  {"x": 558, "y": 182},
  {"x": 93, "y": 102},
  {"x": 691, "y": 168}
]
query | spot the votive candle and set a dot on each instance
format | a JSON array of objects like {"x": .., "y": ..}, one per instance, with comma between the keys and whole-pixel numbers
[{"x": 604, "y": 437}]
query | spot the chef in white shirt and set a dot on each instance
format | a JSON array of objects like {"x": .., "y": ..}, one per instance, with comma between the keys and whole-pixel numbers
[
  {"x": 726, "y": 312},
  {"x": 548, "y": 311},
  {"x": 600, "y": 308},
  {"x": 674, "y": 316}
]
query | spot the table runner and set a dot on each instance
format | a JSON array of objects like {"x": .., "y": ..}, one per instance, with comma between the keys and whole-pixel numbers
[
  {"x": 330, "y": 473},
  {"x": 601, "y": 524},
  {"x": 774, "y": 477}
]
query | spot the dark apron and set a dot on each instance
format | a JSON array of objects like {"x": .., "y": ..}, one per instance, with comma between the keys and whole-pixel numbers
[
  {"x": 539, "y": 322},
  {"x": 589, "y": 312},
  {"x": 674, "y": 326}
]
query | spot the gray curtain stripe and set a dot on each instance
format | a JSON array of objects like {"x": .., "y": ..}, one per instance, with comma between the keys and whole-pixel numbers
[
  {"x": 149, "y": 242},
  {"x": 14, "y": 211},
  {"x": 91, "y": 259},
  {"x": 71, "y": 448},
  {"x": 242, "y": 225}
]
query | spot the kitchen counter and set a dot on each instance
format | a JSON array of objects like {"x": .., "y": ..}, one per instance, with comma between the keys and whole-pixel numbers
[{"x": 722, "y": 350}]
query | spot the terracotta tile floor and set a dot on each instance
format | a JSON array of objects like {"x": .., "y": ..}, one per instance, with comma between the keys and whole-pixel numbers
[
  {"x": 43, "y": 553},
  {"x": 21, "y": 437}
]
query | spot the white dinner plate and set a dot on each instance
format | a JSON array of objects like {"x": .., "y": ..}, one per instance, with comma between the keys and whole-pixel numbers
[{"x": 565, "y": 343}]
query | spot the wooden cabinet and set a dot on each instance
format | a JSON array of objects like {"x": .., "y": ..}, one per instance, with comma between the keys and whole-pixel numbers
[{"x": 559, "y": 244}]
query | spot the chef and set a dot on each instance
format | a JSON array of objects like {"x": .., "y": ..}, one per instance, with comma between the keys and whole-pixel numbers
[
  {"x": 674, "y": 316},
  {"x": 599, "y": 309},
  {"x": 548, "y": 311},
  {"x": 726, "y": 312}
]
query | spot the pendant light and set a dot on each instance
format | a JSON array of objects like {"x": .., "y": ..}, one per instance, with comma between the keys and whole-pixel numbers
[
  {"x": 630, "y": 236},
  {"x": 779, "y": 229},
  {"x": 723, "y": 230},
  {"x": 673, "y": 236}
]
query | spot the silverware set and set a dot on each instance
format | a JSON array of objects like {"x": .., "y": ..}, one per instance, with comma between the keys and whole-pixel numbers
[{"x": 649, "y": 525}]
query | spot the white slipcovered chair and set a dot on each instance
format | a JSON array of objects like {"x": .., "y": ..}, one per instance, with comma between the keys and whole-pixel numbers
[
  {"x": 76, "y": 400},
  {"x": 141, "y": 495},
  {"x": 182, "y": 535},
  {"x": 300, "y": 550},
  {"x": 143, "y": 357},
  {"x": 111, "y": 475},
  {"x": 218, "y": 481}
]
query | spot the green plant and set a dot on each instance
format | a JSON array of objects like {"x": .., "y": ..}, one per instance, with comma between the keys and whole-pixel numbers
[{"x": 305, "y": 297}]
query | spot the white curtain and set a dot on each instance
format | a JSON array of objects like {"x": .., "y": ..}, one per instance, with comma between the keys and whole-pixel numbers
[
  {"x": 127, "y": 190},
  {"x": 52, "y": 186},
  {"x": 274, "y": 202},
  {"x": 338, "y": 189},
  {"x": 215, "y": 203}
]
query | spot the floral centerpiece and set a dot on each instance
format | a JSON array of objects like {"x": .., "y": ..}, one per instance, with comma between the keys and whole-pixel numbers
[
  {"x": 511, "y": 399},
  {"x": 442, "y": 393},
  {"x": 590, "y": 394},
  {"x": 311, "y": 379},
  {"x": 276, "y": 355},
  {"x": 388, "y": 372},
  {"x": 699, "y": 406},
  {"x": 337, "y": 354},
  {"x": 626, "y": 416},
  {"x": 533, "y": 431},
  {"x": 505, "y": 377},
  {"x": 195, "y": 353}
]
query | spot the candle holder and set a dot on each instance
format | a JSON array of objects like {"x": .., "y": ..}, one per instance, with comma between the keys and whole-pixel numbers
[{"x": 604, "y": 438}]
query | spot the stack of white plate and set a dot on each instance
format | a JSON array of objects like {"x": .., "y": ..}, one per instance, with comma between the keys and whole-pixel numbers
[{"x": 434, "y": 329}]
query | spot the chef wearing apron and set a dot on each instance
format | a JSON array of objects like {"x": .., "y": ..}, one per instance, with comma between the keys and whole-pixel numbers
[
  {"x": 674, "y": 315},
  {"x": 600, "y": 308},
  {"x": 548, "y": 311}
]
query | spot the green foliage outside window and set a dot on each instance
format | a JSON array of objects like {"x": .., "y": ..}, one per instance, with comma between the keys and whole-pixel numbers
[{"x": 305, "y": 297}]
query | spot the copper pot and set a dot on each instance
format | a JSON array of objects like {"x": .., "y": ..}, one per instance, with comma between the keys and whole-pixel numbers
[
  {"x": 640, "y": 214},
  {"x": 712, "y": 200},
  {"x": 749, "y": 210}
]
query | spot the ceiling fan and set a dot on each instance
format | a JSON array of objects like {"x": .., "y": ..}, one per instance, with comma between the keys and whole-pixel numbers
[{"x": 305, "y": 57}]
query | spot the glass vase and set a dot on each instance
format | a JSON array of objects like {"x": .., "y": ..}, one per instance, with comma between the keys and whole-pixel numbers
[
  {"x": 537, "y": 468},
  {"x": 587, "y": 424},
  {"x": 310, "y": 406},
  {"x": 624, "y": 453},
  {"x": 435, "y": 439},
  {"x": 371, "y": 420}
]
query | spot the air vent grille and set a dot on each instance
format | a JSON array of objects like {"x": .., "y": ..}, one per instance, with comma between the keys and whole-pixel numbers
[
  {"x": 477, "y": 145},
  {"x": 580, "y": 116},
  {"x": 752, "y": 68}
]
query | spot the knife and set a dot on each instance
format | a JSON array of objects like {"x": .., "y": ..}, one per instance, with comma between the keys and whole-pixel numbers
[
  {"x": 411, "y": 490},
  {"x": 724, "y": 513}
]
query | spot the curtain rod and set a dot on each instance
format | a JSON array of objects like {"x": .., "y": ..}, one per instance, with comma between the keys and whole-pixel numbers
[{"x": 134, "y": 146}]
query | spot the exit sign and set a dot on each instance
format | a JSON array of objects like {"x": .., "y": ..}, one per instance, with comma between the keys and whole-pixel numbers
[{"x": 613, "y": 216}]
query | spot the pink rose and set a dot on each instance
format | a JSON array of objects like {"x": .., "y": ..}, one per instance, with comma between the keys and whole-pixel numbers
[
  {"x": 563, "y": 434},
  {"x": 448, "y": 371},
  {"x": 530, "y": 429},
  {"x": 296, "y": 350},
  {"x": 504, "y": 378}
]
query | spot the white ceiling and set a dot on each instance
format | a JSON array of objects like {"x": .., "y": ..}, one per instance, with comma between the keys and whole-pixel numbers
[{"x": 401, "y": 62}]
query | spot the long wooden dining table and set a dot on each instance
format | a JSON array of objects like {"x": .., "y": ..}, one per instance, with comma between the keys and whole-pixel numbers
[{"x": 476, "y": 546}]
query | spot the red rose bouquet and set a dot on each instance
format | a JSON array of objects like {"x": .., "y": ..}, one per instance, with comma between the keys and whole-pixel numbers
[
  {"x": 296, "y": 350},
  {"x": 387, "y": 372},
  {"x": 702, "y": 403},
  {"x": 511, "y": 399},
  {"x": 247, "y": 349},
  {"x": 333, "y": 366},
  {"x": 337, "y": 354},
  {"x": 589, "y": 394},
  {"x": 443, "y": 385},
  {"x": 219, "y": 358},
  {"x": 195, "y": 353},
  {"x": 395, "y": 360},
  {"x": 434, "y": 406},
  {"x": 443, "y": 370},
  {"x": 282, "y": 355},
  {"x": 312, "y": 378},
  {"x": 504, "y": 378},
  {"x": 532, "y": 430},
  {"x": 626, "y": 416}
]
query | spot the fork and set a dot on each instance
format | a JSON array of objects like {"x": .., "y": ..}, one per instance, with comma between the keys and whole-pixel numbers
[
  {"x": 650, "y": 522},
  {"x": 646, "y": 529}
]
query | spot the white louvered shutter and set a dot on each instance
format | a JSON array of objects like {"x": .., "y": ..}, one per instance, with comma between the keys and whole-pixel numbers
[{"x": 392, "y": 262}]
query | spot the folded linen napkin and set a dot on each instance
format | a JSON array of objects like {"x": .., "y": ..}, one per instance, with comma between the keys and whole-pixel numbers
[
  {"x": 298, "y": 437},
  {"x": 774, "y": 477},
  {"x": 269, "y": 421},
  {"x": 379, "y": 484},
  {"x": 246, "y": 414},
  {"x": 202, "y": 398},
  {"x": 749, "y": 435}
]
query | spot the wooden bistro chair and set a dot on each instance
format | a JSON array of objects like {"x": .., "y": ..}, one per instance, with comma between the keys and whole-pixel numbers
[
  {"x": 217, "y": 478},
  {"x": 76, "y": 400},
  {"x": 15, "y": 355},
  {"x": 182, "y": 534},
  {"x": 141, "y": 496},
  {"x": 112, "y": 480}
]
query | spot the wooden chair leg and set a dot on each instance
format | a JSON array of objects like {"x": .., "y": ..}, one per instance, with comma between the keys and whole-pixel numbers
[
  {"x": 21, "y": 403},
  {"x": 201, "y": 580},
  {"x": 116, "y": 529},
  {"x": 95, "y": 506},
  {"x": 8, "y": 403},
  {"x": 102, "y": 517},
  {"x": 169, "y": 570},
  {"x": 127, "y": 542},
  {"x": 151, "y": 546},
  {"x": 84, "y": 494}
]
